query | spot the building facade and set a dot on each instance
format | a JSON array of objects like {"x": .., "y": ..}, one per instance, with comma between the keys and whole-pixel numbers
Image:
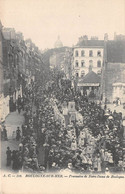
[
  {"x": 22, "y": 64},
  {"x": 114, "y": 69},
  {"x": 86, "y": 59},
  {"x": 88, "y": 65}
]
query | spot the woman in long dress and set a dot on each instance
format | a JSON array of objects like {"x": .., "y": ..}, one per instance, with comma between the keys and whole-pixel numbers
[{"x": 73, "y": 145}]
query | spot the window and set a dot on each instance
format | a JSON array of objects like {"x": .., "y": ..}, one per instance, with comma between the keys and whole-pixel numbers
[
  {"x": 99, "y": 53},
  {"x": 90, "y": 65},
  {"x": 98, "y": 63},
  {"x": 90, "y": 53},
  {"x": 76, "y": 53},
  {"x": 91, "y": 62},
  {"x": 77, "y": 74},
  {"x": 82, "y": 73},
  {"x": 76, "y": 64},
  {"x": 82, "y": 53},
  {"x": 82, "y": 63}
]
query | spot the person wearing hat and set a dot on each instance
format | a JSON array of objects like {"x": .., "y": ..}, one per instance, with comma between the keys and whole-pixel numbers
[
  {"x": 18, "y": 135},
  {"x": 5, "y": 133}
]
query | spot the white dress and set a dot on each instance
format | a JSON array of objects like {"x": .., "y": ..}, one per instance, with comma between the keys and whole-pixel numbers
[
  {"x": 99, "y": 164},
  {"x": 73, "y": 145},
  {"x": 81, "y": 142}
]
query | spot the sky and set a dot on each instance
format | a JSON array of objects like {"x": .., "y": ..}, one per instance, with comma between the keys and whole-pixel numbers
[{"x": 44, "y": 20}]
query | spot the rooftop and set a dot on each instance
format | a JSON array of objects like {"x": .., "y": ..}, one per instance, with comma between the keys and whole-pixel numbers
[
  {"x": 91, "y": 77},
  {"x": 90, "y": 43}
]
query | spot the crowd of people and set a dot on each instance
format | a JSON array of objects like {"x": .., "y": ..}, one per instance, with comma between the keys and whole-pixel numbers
[{"x": 95, "y": 146}]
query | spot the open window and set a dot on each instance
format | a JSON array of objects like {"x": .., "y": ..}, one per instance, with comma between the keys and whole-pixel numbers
[
  {"x": 82, "y": 63},
  {"x": 99, "y": 53},
  {"x": 76, "y": 63}
]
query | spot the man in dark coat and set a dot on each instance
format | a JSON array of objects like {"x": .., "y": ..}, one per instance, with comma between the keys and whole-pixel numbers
[{"x": 8, "y": 153}]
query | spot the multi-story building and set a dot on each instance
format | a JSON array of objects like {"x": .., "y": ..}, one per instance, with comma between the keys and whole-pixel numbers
[
  {"x": 21, "y": 64},
  {"x": 100, "y": 64},
  {"x": 88, "y": 56},
  {"x": 88, "y": 62}
]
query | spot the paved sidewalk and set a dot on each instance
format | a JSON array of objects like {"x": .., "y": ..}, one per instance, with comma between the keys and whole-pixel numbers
[{"x": 13, "y": 120}]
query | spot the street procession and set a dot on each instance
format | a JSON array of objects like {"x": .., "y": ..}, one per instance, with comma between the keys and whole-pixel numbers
[{"x": 71, "y": 132}]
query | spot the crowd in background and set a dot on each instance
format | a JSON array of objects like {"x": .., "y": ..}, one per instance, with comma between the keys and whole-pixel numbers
[{"x": 95, "y": 146}]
